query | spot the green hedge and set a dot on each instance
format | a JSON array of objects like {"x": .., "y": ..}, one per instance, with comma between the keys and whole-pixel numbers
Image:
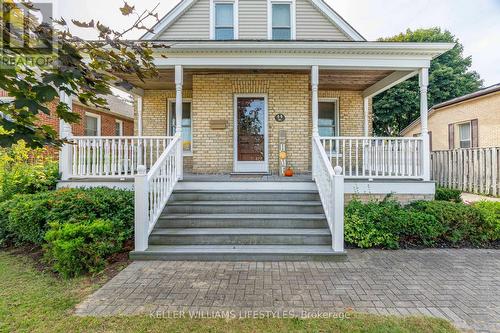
[
  {"x": 422, "y": 224},
  {"x": 490, "y": 213},
  {"x": 448, "y": 194},
  {"x": 25, "y": 218},
  {"x": 76, "y": 248},
  {"x": 78, "y": 228}
]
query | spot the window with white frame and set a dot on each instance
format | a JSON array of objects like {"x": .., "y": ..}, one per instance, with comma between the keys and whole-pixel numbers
[
  {"x": 118, "y": 127},
  {"x": 92, "y": 124},
  {"x": 224, "y": 20},
  {"x": 328, "y": 122},
  {"x": 187, "y": 135},
  {"x": 281, "y": 20},
  {"x": 328, "y": 118},
  {"x": 465, "y": 137}
]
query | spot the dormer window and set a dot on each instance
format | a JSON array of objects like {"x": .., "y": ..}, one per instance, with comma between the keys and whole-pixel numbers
[
  {"x": 224, "y": 21},
  {"x": 281, "y": 19},
  {"x": 282, "y": 28}
]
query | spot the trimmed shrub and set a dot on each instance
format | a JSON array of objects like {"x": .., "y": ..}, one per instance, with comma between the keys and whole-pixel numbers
[
  {"x": 388, "y": 225},
  {"x": 461, "y": 224},
  {"x": 25, "y": 218},
  {"x": 77, "y": 248},
  {"x": 426, "y": 223},
  {"x": 76, "y": 205},
  {"x": 490, "y": 213},
  {"x": 26, "y": 171},
  {"x": 448, "y": 194}
]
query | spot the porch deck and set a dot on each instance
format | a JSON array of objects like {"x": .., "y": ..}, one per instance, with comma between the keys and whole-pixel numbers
[{"x": 353, "y": 186}]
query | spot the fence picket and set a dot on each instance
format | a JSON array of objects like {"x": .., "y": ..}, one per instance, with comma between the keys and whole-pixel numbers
[{"x": 473, "y": 170}]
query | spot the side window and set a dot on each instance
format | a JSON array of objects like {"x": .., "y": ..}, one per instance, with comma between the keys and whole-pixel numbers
[
  {"x": 118, "y": 127},
  {"x": 328, "y": 122},
  {"x": 224, "y": 21},
  {"x": 92, "y": 125},
  {"x": 281, "y": 21},
  {"x": 465, "y": 135},
  {"x": 186, "y": 124}
]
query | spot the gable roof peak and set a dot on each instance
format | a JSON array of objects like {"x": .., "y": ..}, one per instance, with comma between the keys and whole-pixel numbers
[{"x": 185, "y": 5}]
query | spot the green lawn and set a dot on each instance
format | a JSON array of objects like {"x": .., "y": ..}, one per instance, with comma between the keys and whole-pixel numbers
[{"x": 31, "y": 301}]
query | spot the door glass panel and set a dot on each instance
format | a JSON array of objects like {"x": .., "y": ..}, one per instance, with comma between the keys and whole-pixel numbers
[{"x": 251, "y": 128}]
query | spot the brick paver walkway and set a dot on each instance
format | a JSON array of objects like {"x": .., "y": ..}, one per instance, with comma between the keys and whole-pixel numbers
[{"x": 462, "y": 286}]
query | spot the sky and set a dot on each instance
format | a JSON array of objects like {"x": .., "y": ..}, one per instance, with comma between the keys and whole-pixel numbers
[{"x": 475, "y": 22}]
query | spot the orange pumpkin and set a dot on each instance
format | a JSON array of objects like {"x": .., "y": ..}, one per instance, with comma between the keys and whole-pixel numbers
[{"x": 289, "y": 172}]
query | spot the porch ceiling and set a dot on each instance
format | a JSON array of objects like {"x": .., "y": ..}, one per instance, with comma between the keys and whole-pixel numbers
[{"x": 357, "y": 80}]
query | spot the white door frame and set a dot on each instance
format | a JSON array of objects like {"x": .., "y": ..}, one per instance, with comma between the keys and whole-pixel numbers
[{"x": 249, "y": 166}]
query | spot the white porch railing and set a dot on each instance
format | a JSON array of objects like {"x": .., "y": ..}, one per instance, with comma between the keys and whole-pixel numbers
[
  {"x": 114, "y": 156},
  {"x": 330, "y": 183},
  {"x": 153, "y": 189},
  {"x": 373, "y": 157}
]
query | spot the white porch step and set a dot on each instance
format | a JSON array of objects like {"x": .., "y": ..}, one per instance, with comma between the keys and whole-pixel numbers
[{"x": 238, "y": 253}]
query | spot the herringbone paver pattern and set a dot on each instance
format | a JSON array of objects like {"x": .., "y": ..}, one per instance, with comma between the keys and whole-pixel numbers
[{"x": 462, "y": 286}]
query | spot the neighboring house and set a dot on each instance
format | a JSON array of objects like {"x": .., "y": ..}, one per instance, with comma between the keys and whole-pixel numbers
[
  {"x": 470, "y": 121},
  {"x": 115, "y": 120},
  {"x": 247, "y": 89}
]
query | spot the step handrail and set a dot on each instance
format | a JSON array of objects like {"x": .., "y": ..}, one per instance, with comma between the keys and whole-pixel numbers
[
  {"x": 154, "y": 188},
  {"x": 330, "y": 183}
]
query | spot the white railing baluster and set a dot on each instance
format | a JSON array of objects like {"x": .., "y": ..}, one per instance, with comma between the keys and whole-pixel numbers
[
  {"x": 108, "y": 156},
  {"x": 153, "y": 189},
  {"x": 330, "y": 183},
  {"x": 383, "y": 157}
]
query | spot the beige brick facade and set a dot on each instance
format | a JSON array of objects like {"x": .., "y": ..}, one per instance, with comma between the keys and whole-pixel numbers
[
  {"x": 485, "y": 109},
  {"x": 212, "y": 98},
  {"x": 401, "y": 198}
]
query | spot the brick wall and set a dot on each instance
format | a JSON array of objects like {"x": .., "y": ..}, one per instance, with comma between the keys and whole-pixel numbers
[
  {"x": 78, "y": 129},
  {"x": 213, "y": 99},
  {"x": 485, "y": 109},
  {"x": 401, "y": 198}
]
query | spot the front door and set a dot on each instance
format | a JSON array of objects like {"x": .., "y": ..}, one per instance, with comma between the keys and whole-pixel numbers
[{"x": 250, "y": 134}]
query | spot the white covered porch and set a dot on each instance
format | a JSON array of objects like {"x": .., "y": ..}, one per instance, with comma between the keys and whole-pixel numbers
[{"x": 340, "y": 164}]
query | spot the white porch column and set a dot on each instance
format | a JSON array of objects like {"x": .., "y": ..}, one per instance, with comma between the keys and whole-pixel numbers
[
  {"x": 179, "y": 79},
  {"x": 139, "y": 115},
  {"x": 65, "y": 157},
  {"x": 314, "y": 108},
  {"x": 423, "y": 74},
  {"x": 365, "y": 113},
  {"x": 314, "y": 90}
]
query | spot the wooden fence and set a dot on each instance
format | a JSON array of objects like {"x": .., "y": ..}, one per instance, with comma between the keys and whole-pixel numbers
[{"x": 474, "y": 170}]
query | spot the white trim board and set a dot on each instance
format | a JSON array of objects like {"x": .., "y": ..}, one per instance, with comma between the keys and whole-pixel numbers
[{"x": 184, "y": 5}]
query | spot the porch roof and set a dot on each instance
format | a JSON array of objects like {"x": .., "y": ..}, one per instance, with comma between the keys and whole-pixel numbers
[
  {"x": 329, "y": 79},
  {"x": 343, "y": 65}
]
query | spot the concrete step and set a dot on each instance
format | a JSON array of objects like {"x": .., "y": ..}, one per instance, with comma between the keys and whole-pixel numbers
[
  {"x": 242, "y": 207},
  {"x": 304, "y": 221},
  {"x": 239, "y": 236},
  {"x": 239, "y": 253},
  {"x": 222, "y": 195}
]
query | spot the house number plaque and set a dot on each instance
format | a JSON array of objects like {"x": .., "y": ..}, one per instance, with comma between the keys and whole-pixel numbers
[{"x": 280, "y": 117}]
